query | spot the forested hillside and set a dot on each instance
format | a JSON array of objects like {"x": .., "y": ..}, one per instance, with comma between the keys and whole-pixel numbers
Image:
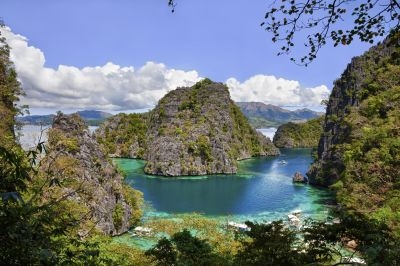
[{"x": 299, "y": 135}]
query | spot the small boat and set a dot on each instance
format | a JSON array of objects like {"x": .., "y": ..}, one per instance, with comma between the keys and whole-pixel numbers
[
  {"x": 142, "y": 231},
  {"x": 282, "y": 162},
  {"x": 354, "y": 260},
  {"x": 238, "y": 226}
]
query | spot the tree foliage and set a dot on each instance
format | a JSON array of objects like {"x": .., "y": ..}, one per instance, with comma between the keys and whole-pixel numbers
[
  {"x": 183, "y": 249},
  {"x": 322, "y": 21},
  {"x": 10, "y": 91}
]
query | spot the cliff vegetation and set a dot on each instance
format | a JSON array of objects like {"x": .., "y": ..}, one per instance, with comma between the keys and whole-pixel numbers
[
  {"x": 299, "y": 135},
  {"x": 124, "y": 135},
  {"x": 358, "y": 152}
]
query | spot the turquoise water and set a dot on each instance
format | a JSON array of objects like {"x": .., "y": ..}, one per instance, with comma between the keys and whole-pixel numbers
[{"x": 262, "y": 190}]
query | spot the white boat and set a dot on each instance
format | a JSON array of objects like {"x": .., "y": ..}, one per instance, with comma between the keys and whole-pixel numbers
[
  {"x": 282, "y": 162},
  {"x": 354, "y": 260},
  {"x": 142, "y": 231},
  {"x": 238, "y": 226}
]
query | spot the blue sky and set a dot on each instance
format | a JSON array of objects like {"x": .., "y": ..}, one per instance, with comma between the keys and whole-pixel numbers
[{"x": 143, "y": 42}]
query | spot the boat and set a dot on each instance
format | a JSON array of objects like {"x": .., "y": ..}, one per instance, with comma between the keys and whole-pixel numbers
[
  {"x": 238, "y": 226},
  {"x": 282, "y": 162},
  {"x": 141, "y": 231},
  {"x": 354, "y": 260}
]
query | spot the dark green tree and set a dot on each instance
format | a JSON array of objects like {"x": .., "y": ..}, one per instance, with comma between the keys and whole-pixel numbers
[
  {"x": 271, "y": 244},
  {"x": 10, "y": 91},
  {"x": 184, "y": 249},
  {"x": 163, "y": 252},
  {"x": 192, "y": 250},
  {"x": 32, "y": 231}
]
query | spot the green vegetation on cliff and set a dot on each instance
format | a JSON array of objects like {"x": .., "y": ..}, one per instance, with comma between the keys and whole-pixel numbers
[
  {"x": 359, "y": 149},
  {"x": 198, "y": 131},
  {"x": 299, "y": 135},
  {"x": 124, "y": 135}
]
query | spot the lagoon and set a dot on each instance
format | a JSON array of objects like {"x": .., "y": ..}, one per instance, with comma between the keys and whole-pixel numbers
[{"x": 262, "y": 190}]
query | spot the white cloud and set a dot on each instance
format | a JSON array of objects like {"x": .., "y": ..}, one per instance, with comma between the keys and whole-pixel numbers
[
  {"x": 277, "y": 91},
  {"x": 108, "y": 87},
  {"x": 113, "y": 87}
]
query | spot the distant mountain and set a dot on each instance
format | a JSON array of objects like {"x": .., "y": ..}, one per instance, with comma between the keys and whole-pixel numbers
[
  {"x": 93, "y": 117},
  {"x": 36, "y": 119},
  {"x": 267, "y": 115}
]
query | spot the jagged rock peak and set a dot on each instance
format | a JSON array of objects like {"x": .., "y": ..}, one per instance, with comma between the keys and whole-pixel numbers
[
  {"x": 76, "y": 159},
  {"x": 199, "y": 130}
]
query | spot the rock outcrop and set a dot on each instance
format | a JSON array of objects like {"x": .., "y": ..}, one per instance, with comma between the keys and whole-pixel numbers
[
  {"x": 192, "y": 131},
  {"x": 198, "y": 131},
  {"x": 88, "y": 178},
  {"x": 299, "y": 178}
]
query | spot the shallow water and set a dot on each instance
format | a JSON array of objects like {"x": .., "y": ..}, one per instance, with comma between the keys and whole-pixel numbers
[{"x": 262, "y": 190}]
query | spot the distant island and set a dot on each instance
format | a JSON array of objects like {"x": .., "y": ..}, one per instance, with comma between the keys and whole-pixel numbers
[{"x": 91, "y": 117}]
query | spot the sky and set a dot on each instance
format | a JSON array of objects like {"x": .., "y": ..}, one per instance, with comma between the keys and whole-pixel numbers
[{"x": 125, "y": 55}]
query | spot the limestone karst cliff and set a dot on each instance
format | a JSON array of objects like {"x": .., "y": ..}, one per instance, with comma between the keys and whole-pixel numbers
[
  {"x": 90, "y": 180},
  {"x": 358, "y": 82},
  {"x": 359, "y": 150}
]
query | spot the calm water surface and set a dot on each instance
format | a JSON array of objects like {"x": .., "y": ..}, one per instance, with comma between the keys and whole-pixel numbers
[{"x": 262, "y": 190}]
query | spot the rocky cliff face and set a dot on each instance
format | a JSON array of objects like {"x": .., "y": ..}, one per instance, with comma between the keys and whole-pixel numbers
[
  {"x": 199, "y": 130},
  {"x": 359, "y": 151},
  {"x": 193, "y": 131},
  {"x": 76, "y": 161},
  {"x": 348, "y": 92}
]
